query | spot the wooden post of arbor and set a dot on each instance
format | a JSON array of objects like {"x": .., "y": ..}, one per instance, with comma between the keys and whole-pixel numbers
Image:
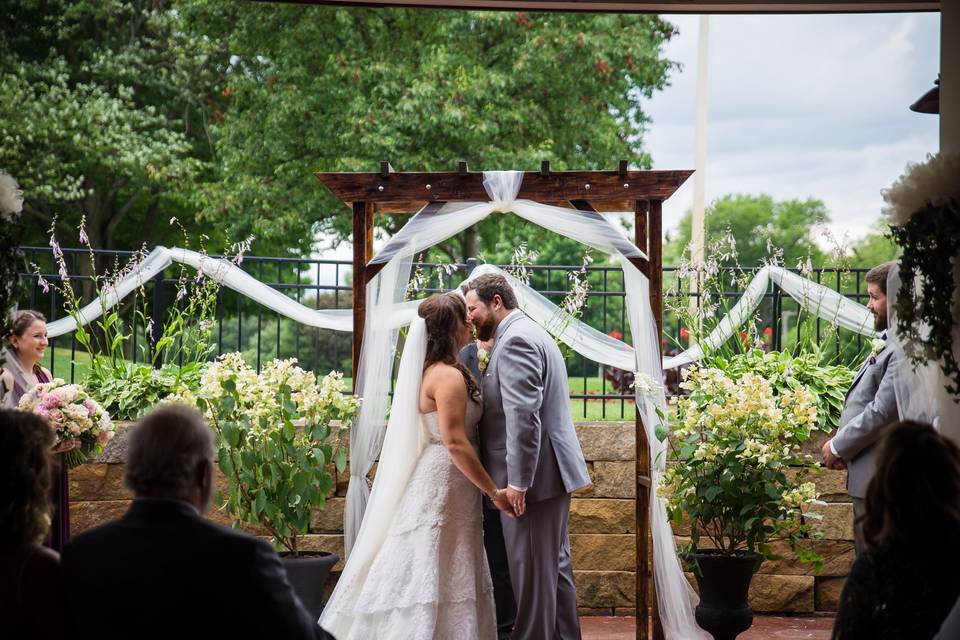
[
  {"x": 362, "y": 252},
  {"x": 643, "y": 192}
]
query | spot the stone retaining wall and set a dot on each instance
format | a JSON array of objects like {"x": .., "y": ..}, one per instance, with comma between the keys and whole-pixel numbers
[{"x": 602, "y": 527}]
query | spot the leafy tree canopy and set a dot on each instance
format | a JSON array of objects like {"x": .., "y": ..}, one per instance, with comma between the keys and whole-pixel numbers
[
  {"x": 761, "y": 226},
  {"x": 309, "y": 88},
  {"x": 103, "y": 115}
]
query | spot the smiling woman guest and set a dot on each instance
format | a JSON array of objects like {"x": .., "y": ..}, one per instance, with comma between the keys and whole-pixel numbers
[{"x": 22, "y": 355}]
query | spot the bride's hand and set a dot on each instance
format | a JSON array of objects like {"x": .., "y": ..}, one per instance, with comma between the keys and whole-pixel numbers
[{"x": 500, "y": 501}]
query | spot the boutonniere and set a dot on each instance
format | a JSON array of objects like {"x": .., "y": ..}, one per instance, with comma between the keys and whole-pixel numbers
[
  {"x": 876, "y": 346},
  {"x": 483, "y": 359}
]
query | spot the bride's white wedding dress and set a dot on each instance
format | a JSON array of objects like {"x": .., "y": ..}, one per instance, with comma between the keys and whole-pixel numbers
[{"x": 430, "y": 579}]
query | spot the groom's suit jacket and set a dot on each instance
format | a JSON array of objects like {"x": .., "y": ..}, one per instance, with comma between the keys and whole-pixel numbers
[
  {"x": 870, "y": 406},
  {"x": 527, "y": 435}
]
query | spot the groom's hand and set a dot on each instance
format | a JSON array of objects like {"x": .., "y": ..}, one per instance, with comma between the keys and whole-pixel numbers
[
  {"x": 830, "y": 460},
  {"x": 500, "y": 501},
  {"x": 517, "y": 500}
]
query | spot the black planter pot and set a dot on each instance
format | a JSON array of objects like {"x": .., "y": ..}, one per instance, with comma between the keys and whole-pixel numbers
[
  {"x": 308, "y": 575},
  {"x": 724, "y": 582}
]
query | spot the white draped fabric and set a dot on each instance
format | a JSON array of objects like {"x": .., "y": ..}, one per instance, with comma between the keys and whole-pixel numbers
[
  {"x": 221, "y": 270},
  {"x": 402, "y": 446},
  {"x": 599, "y": 347},
  {"x": 814, "y": 298},
  {"x": 433, "y": 224},
  {"x": 920, "y": 388}
]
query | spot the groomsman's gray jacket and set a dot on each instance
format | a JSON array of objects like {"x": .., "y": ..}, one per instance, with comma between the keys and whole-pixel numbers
[
  {"x": 527, "y": 434},
  {"x": 870, "y": 406}
]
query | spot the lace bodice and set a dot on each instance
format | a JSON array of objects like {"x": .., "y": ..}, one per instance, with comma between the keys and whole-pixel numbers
[{"x": 431, "y": 423}]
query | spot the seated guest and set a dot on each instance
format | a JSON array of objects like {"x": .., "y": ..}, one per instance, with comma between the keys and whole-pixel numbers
[
  {"x": 29, "y": 572},
  {"x": 908, "y": 579},
  {"x": 162, "y": 570}
]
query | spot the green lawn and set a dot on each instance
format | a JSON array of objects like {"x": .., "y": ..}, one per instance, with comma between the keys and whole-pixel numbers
[{"x": 59, "y": 361}]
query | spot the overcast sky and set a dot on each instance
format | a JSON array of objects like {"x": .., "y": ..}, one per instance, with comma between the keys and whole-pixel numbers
[{"x": 801, "y": 106}]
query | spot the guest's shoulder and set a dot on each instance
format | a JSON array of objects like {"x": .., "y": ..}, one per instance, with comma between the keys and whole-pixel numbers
[{"x": 233, "y": 539}]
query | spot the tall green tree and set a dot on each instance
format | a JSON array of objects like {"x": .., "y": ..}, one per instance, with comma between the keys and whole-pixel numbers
[
  {"x": 103, "y": 114},
  {"x": 762, "y": 227},
  {"x": 309, "y": 88},
  {"x": 874, "y": 248}
]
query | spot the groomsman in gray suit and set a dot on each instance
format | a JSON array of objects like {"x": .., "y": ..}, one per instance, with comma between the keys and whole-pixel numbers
[
  {"x": 528, "y": 443},
  {"x": 870, "y": 406}
]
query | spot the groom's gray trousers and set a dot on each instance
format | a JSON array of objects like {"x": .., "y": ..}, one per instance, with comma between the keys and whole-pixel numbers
[
  {"x": 528, "y": 440},
  {"x": 541, "y": 571}
]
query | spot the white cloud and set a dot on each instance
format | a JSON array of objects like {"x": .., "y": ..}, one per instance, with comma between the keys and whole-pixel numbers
[{"x": 801, "y": 106}]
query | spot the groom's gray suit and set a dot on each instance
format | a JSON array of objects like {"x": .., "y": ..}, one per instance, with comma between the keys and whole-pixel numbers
[
  {"x": 528, "y": 441},
  {"x": 870, "y": 406}
]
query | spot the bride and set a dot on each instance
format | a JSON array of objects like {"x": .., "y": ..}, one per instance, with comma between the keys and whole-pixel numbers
[{"x": 418, "y": 569}]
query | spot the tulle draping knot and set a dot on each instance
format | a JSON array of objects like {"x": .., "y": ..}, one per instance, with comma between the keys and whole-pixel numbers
[{"x": 502, "y": 188}]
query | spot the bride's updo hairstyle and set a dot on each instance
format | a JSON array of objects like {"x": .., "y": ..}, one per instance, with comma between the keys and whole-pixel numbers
[{"x": 444, "y": 314}]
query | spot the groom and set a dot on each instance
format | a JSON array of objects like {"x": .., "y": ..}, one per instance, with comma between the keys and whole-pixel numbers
[{"x": 528, "y": 443}]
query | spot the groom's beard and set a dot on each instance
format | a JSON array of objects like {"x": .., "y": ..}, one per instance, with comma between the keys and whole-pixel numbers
[
  {"x": 486, "y": 328},
  {"x": 880, "y": 321}
]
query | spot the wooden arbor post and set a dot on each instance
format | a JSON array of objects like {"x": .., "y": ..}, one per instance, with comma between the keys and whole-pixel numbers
[{"x": 642, "y": 192}]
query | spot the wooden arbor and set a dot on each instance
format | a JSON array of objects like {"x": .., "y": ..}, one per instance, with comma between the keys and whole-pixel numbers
[{"x": 642, "y": 192}]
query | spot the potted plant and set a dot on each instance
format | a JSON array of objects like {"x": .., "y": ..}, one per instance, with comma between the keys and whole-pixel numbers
[
  {"x": 277, "y": 432},
  {"x": 739, "y": 480}
]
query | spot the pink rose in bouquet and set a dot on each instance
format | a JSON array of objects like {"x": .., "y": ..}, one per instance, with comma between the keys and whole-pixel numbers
[{"x": 80, "y": 425}]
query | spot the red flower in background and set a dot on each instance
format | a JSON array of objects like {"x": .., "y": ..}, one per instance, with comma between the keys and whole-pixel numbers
[
  {"x": 684, "y": 333},
  {"x": 616, "y": 335},
  {"x": 767, "y": 332},
  {"x": 743, "y": 336}
]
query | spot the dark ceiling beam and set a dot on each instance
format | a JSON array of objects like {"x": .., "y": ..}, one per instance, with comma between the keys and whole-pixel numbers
[{"x": 663, "y": 6}]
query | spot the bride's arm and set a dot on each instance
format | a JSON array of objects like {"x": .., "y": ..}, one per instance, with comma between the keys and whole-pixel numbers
[{"x": 450, "y": 395}]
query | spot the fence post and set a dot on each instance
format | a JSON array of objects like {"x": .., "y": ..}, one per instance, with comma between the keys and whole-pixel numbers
[
  {"x": 471, "y": 265},
  {"x": 156, "y": 317},
  {"x": 776, "y": 312}
]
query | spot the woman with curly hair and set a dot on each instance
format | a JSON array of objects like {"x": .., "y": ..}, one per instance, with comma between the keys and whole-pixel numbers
[{"x": 29, "y": 572}]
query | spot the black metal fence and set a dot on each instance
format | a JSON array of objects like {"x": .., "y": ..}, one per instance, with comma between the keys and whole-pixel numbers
[{"x": 596, "y": 392}]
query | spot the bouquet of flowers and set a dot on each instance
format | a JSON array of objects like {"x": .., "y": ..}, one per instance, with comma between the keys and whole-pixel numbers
[{"x": 79, "y": 423}]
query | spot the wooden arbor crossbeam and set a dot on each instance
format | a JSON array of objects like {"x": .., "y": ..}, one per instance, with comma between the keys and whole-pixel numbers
[{"x": 642, "y": 192}]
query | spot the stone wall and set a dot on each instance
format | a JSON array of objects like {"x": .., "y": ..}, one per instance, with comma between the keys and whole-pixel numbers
[{"x": 602, "y": 527}]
